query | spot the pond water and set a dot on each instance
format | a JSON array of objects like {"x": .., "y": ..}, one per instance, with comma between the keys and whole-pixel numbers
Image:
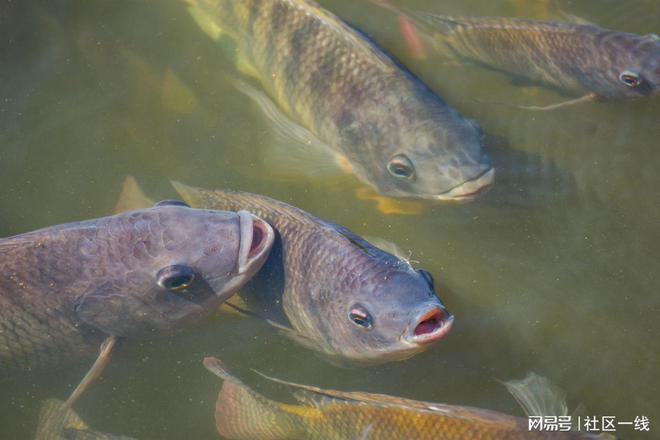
[{"x": 556, "y": 270}]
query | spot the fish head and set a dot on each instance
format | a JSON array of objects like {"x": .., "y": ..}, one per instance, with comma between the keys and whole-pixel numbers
[
  {"x": 387, "y": 316},
  {"x": 635, "y": 68},
  {"x": 438, "y": 155},
  {"x": 177, "y": 263}
]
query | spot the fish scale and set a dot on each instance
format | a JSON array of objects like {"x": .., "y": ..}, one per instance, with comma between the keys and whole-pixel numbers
[
  {"x": 577, "y": 58},
  {"x": 66, "y": 288},
  {"x": 363, "y": 106},
  {"x": 323, "y": 414},
  {"x": 319, "y": 271}
]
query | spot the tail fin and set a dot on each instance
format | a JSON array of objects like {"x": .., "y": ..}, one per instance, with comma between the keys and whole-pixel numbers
[
  {"x": 242, "y": 414},
  {"x": 538, "y": 396},
  {"x": 55, "y": 416}
]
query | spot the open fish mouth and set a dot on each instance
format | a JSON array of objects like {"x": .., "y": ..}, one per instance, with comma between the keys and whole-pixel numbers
[
  {"x": 470, "y": 189},
  {"x": 257, "y": 236},
  {"x": 430, "y": 326}
]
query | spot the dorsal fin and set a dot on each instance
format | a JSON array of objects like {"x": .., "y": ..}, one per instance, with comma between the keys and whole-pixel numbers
[
  {"x": 171, "y": 202},
  {"x": 132, "y": 196}
]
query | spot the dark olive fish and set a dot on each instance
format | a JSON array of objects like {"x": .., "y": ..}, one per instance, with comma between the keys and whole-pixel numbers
[
  {"x": 321, "y": 414},
  {"x": 345, "y": 93},
  {"x": 65, "y": 288},
  {"x": 342, "y": 296},
  {"x": 580, "y": 59}
]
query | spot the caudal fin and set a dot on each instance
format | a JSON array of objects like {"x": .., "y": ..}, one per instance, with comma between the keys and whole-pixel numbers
[
  {"x": 538, "y": 396},
  {"x": 54, "y": 417},
  {"x": 242, "y": 414}
]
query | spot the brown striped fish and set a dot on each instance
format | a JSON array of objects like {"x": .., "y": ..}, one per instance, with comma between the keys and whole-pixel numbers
[
  {"x": 321, "y": 414},
  {"x": 330, "y": 86}
]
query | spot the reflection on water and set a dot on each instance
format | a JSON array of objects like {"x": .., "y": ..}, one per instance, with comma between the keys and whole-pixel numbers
[{"x": 555, "y": 270}]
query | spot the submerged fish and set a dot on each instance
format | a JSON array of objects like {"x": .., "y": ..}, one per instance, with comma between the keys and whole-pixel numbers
[
  {"x": 341, "y": 295},
  {"x": 242, "y": 414},
  {"x": 580, "y": 59},
  {"x": 58, "y": 421},
  {"x": 65, "y": 288},
  {"x": 335, "y": 89}
]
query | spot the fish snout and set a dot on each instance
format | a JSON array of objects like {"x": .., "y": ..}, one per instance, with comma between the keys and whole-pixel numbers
[
  {"x": 257, "y": 238},
  {"x": 430, "y": 325},
  {"x": 472, "y": 188}
]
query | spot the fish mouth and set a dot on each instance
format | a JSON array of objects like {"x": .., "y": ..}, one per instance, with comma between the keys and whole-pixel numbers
[
  {"x": 257, "y": 237},
  {"x": 430, "y": 326},
  {"x": 470, "y": 189}
]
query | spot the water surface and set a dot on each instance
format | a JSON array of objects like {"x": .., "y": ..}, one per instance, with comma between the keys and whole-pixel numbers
[{"x": 555, "y": 270}]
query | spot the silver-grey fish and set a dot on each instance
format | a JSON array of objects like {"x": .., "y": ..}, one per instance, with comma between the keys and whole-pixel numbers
[
  {"x": 342, "y": 296},
  {"x": 580, "y": 59},
  {"x": 65, "y": 288},
  {"x": 343, "y": 91}
]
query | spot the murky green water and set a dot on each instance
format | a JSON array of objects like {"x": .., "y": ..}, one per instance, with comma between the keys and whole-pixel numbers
[{"x": 556, "y": 270}]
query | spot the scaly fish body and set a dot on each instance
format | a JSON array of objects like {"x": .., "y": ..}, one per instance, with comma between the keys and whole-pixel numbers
[
  {"x": 321, "y": 414},
  {"x": 397, "y": 135},
  {"x": 342, "y": 296},
  {"x": 577, "y": 58},
  {"x": 65, "y": 288}
]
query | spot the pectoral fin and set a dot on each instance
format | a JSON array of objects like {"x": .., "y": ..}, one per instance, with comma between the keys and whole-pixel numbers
[
  {"x": 388, "y": 205},
  {"x": 95, "y": 371},
  {"x": 293, "y": 149},
  {"x": 586, "y": 98}
]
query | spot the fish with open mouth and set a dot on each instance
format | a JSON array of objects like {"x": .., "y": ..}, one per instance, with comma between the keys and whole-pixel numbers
[
  {"x": 66, "y": 288},
  {"x": 339, "y": 295},
  {"x": 328, "y": 86}
]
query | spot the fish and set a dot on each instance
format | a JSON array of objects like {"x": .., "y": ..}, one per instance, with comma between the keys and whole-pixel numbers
[
  {"x": 333, "y": 90},
  {"x": 243, "y": 414},
  {"x": 66, "y": 288},
  {"x": 337, "y": 293},
  {"x": 577, "y": 59},
  {"x": 58, "y": 421}
]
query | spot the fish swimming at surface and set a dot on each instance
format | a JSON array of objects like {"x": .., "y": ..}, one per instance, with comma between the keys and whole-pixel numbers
[
  {"x": 342, "y": 296},
  {"x": 321, "y": 414},
  {"x": 66, "y": 288},
  {"x": 576, "y": 58},
  {"x": 339, "y": 90}
]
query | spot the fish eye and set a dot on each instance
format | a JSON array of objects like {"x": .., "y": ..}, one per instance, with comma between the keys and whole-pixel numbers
[
  {"x": 360, "y": 317},
  {"x": 629, "y": 78},
  {"x": 401, "y": 166},
  {"x": 176, "y": 277},
  {"x": 427, "y": 276}
]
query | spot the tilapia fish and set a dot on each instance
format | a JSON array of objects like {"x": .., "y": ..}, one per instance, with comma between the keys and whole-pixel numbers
[
  {"x": 343, "y": 92},
  {"x": 65, "y": 288},
  {"x": 342, "y": 296},
  {"x": 242, "y": 414},
  {"x": 580, "y": 59}
]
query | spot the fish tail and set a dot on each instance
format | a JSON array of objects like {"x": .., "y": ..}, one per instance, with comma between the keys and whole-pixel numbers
[{"x": 241, "y": 413}]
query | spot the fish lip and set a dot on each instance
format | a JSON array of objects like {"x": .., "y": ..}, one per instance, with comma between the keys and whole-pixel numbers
[
  {"x": 447, "y": 321},
  {"x": 470, "y": 189},
  {"x": 249, "y": 253}
]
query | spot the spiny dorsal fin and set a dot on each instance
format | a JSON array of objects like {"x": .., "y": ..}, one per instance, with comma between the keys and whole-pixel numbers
[{"x": 132, "y": 196}]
